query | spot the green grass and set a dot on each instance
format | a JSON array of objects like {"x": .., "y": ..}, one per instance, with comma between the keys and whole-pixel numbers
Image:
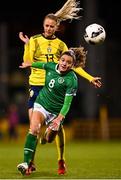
[{"x": 85, "y": 160}]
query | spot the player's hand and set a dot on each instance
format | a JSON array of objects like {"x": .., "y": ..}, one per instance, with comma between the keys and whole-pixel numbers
[
  {"x": 25, "y": 65},
  {"x": 96, "y": 82},
  {"x": 23, "y": 37},
  {"x": 54, "y": 126}
]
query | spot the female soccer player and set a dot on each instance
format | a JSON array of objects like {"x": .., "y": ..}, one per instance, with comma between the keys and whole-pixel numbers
[
  {"x": 47, "y": 47},
  {"x": 54, "y": 99}
]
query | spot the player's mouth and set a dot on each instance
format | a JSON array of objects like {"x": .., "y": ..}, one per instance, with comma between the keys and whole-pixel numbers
[{"x": 63, "y": 68}]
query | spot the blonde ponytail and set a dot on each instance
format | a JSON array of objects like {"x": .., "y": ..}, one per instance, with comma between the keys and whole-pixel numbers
[{"x": 69, "y": 11}]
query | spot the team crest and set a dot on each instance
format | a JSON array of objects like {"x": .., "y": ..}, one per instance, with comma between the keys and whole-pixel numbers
[
  {"x": 60, "y": 80},
  {"x": 49, "y": 49}
]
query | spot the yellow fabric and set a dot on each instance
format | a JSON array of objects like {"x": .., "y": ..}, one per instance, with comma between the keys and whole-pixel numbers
[
  {"x": 83, "y": 73},
  {"x": 41, "y": 49},
  {"x": 60, "y": 143},
  {"x": 26, "y": 56}
]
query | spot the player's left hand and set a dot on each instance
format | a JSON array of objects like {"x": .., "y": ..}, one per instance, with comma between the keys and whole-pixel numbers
[
  {"x": 96, "y": 82},
  {"x": 55, "y": 125},
  {"x": 23, "y": 37}
]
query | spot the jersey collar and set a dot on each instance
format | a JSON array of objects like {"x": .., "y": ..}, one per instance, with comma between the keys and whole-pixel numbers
[
  {"x": 56, "y": 68},
  {"x": 49, "y": 38}
]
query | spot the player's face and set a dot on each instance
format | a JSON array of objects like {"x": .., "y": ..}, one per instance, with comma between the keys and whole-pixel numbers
[
  {"x": 65, "y": 63},
  {"x": 50, "y": 27}
]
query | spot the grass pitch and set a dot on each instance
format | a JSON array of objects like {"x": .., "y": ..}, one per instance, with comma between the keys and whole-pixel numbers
[{"x": 85, "y": 160}]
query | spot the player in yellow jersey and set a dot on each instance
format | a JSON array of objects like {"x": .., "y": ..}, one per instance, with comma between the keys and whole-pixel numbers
[{"x": 46, "y": 47}]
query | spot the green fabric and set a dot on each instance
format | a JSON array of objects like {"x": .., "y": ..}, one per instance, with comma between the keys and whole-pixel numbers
[
  {"x": 30, "y": 147},
  {"x": 38, "y": 65},
  {"x": 66, "y": 105},
  {"x": 57, "y": 86},
  {"x": 32, "y": 160}
]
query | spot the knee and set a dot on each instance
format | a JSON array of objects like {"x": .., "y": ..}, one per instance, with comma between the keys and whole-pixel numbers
[{"x": 35, "y": 130}]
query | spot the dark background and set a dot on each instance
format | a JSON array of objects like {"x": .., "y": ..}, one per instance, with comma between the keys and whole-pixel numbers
[{"x": 103, "y": 60}]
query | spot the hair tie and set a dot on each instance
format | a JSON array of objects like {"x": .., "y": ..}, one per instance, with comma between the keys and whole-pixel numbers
[{"x": 72, "y": 53}]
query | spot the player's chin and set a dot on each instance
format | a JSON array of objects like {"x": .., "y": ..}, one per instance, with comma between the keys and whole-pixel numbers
[
  {"x": 63, "y": 69},
  {"x": 49, "y": 34}
]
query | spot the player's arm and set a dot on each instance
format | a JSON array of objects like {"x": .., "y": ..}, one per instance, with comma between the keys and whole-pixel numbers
[
  {"x": 64, "y": 110},
  {"x": 26, "y": 64},
  {"x": 29, "y": 47},
  {"x": 26, "y": 55},
  {"x": 66, "y": 105},
  {"x": 25, "y": 39},
  {"x": 40, "y": 65},
  {"x": 96, "y": 81},
  {"x": 29, "y": 50}
]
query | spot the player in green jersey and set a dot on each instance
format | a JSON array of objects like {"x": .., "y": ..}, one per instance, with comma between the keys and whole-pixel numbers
[
  {"x": 54, "y": 100},
  {"x": 46, "y": 47}
]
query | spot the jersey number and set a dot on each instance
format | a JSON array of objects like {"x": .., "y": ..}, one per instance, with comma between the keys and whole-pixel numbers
[
  {"x": 49, "y": 57},
  {"x": 51, "y": 83}
]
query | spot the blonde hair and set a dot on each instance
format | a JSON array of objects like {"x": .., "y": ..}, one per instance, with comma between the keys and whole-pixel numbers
[{"x": 69, "y": 11}]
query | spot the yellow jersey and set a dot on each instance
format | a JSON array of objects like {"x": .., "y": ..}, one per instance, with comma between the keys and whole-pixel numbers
[{"x": 42, "y": 49}]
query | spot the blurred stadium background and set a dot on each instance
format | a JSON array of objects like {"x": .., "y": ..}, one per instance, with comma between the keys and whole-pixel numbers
[{"x": 95, "y": 113}]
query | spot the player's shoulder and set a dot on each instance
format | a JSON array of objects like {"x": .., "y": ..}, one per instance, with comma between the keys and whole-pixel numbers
[
  {"x": 59, "y": 40},
  {"x": 36, "y": 36},
  {"x": 62, "y": 44},
  {"x": 72, "y": 74}
]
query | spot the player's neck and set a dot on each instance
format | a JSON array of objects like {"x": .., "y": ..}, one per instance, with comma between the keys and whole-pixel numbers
[{"x": 49, "y": 37}]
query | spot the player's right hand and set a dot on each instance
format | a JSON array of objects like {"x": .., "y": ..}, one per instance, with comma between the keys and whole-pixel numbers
[
  {"x": 25, "y": 65},
  {"x": 23, "y": 37}
]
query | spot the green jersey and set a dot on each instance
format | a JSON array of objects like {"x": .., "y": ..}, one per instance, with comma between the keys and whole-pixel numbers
[{"x": 57, "y": 87}]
